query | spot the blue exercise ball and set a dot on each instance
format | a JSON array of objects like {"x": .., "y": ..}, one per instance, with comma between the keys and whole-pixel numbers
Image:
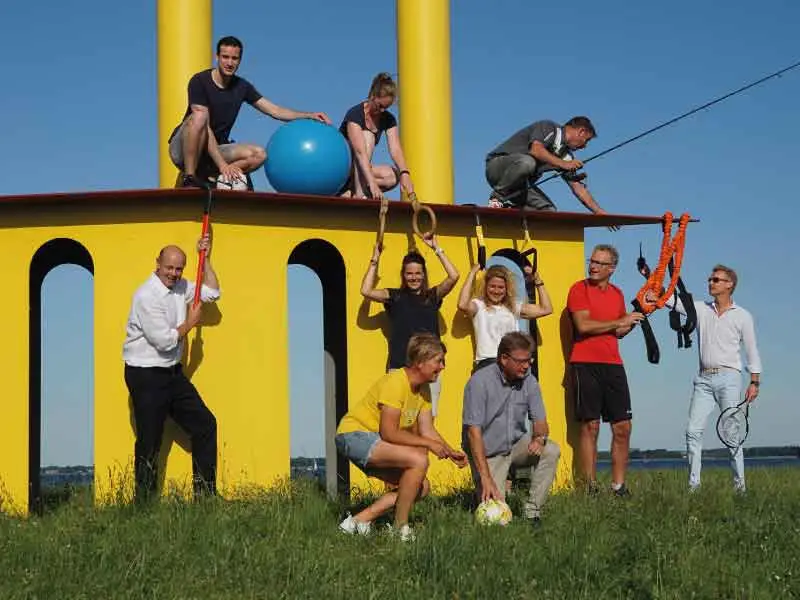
[{"x": 307, "y": 157}]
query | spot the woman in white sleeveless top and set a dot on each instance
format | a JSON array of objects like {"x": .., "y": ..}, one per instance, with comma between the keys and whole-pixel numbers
[{"x": 495, "y": 311}]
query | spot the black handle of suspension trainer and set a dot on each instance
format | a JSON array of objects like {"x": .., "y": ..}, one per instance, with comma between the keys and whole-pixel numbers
[
  {"x": 650, "y": 342},
  {"x": 535, "y": 260},
  {"x": 641, "y": 264},
  {"x": 479, "y": 236}
]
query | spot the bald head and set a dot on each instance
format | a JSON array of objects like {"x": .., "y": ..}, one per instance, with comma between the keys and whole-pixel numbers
[
  {"x": 170, "y": 264},
  {"x": 171, "y": 252}
]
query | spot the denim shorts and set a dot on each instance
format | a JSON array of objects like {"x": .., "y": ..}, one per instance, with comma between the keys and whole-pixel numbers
[{"x": 357, "y": 446}]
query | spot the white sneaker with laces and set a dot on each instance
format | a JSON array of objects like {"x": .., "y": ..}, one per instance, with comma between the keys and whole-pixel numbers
[
  {"x": 494, "y": 202},
  {"x": 405, "y": 533},
  {"x": 352, "y": 526}
]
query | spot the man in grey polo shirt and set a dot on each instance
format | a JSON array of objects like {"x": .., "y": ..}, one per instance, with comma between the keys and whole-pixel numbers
[
  {"x": 513, "y": 168},
  {"x": 498, "y": 401}
]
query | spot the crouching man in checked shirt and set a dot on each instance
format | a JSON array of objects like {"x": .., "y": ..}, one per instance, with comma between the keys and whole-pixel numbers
[{"x": 498, "y": 401}]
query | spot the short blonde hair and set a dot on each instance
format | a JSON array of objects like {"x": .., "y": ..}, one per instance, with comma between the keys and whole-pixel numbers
[{"x": 423, "y": 347}]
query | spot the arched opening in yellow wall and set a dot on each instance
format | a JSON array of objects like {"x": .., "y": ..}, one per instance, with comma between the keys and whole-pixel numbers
[
  {"x": 324, "y": 259},
  {"x": 66, "y": 351},
  {"x": 306, "y": 375},
  {"x": 514, "y": 260}
]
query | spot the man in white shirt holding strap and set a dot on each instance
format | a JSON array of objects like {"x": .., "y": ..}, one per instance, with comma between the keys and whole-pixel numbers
[
  {"x": 722, "y": 328},
  {"x": 161, "y": 317}
]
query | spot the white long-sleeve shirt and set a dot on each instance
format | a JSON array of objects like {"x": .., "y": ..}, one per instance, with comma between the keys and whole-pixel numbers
[
  {"x": 151, "y": 337},
  {"x": 721, "y": 336}
]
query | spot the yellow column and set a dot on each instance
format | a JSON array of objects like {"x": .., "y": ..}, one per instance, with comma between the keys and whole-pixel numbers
[
  {"x": 184, "y": 48},
  {"x": 423, "y": 54}
]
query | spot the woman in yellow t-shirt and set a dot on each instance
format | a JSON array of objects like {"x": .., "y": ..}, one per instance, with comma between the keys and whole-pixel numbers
[{"x": 389, "y": 433}]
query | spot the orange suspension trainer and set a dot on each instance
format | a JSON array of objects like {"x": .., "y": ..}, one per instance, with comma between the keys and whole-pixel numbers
[
  {"x": 671, "y": 250},
  {"x": 670, "y": 257}
]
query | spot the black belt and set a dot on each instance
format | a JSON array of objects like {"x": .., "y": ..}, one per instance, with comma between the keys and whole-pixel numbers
[{"x": 173, "y": 369}]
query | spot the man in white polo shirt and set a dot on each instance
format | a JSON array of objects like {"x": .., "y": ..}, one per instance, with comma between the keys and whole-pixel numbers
[
  {"x": 161, "y": 317},
  {"x": 723, "y": 327}
]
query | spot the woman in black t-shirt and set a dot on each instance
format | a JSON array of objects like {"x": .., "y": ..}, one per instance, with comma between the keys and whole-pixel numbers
[
  {"x": 414, "y": 306},
  {"x": 363, "y": 126}
]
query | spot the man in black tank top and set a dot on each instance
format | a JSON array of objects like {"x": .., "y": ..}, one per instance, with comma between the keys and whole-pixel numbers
[{"x": 201, "y": 143}]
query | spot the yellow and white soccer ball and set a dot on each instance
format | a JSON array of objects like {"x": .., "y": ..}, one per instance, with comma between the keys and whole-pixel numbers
[{"x": 493, "y": 512}]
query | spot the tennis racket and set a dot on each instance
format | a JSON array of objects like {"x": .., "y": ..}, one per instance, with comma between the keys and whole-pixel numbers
[{"x": 733, "y": 425}]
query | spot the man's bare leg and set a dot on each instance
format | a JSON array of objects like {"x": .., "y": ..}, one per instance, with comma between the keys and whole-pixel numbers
[
  {"x": 247, "y": 157},
  {"x": 195, "y": 139},
  {"x": 620, "y": 449},
  {"x": 588, "y": 449}
]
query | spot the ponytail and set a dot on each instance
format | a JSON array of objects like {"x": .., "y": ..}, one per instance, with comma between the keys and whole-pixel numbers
[{"x": 382, "y": 85}]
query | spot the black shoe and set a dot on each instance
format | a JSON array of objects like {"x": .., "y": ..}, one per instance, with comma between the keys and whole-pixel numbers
[
  {"x": 192, "y": 181},
  {"x": 593, "y": 489},
  {"x": 536, "y": 522},
  {"x": 622, "y": 492}
]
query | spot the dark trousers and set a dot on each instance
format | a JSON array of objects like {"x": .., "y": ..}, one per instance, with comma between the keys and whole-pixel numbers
[
  {"x": 160, "y": 392},
  {"x": 484, "y": 362}
]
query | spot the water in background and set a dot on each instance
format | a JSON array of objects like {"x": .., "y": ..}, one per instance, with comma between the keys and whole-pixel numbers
[
  {"x": 315, "y": 468},
  {"x": 653, "y": 464}
]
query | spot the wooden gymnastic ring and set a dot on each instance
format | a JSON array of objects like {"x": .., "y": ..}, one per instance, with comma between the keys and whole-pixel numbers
[{"x": 415, "y": 221}]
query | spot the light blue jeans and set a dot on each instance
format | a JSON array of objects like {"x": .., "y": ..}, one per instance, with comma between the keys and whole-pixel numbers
[{"x": 718, "y": 390}]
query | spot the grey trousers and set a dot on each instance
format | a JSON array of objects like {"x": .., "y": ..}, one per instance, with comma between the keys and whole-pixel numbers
[
  {"x": 511, "y": 177},
  {"x": 543, "y": 472}
]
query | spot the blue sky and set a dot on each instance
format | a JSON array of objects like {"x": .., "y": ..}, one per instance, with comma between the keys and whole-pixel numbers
[{"x": 80, "y": 106}]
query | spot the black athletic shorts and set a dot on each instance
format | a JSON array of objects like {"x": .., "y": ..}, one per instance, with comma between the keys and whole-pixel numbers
[{"x": 601, "y": 390}]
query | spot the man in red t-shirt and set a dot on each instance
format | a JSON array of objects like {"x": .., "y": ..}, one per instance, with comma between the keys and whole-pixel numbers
[{"x": 597, "y": 308}]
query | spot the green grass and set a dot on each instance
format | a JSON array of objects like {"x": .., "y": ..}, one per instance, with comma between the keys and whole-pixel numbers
[{"x": 661, "y": 543}]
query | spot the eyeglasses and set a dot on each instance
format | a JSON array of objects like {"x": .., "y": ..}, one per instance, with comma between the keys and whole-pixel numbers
[
  {"x": 599, "y": 263},
  {"x": 519, "y": 361},
  {"x": 717, "y": 280}
]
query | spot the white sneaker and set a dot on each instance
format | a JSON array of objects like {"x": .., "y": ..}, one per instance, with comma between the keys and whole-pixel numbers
[
  {"x": 494, "y": 202},
  {"x": 405, "y": 533},
  {"x": 352, "y": 526}
]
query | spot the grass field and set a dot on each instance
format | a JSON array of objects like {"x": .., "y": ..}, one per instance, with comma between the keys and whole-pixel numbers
[{"x": 661, "y": 543}]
